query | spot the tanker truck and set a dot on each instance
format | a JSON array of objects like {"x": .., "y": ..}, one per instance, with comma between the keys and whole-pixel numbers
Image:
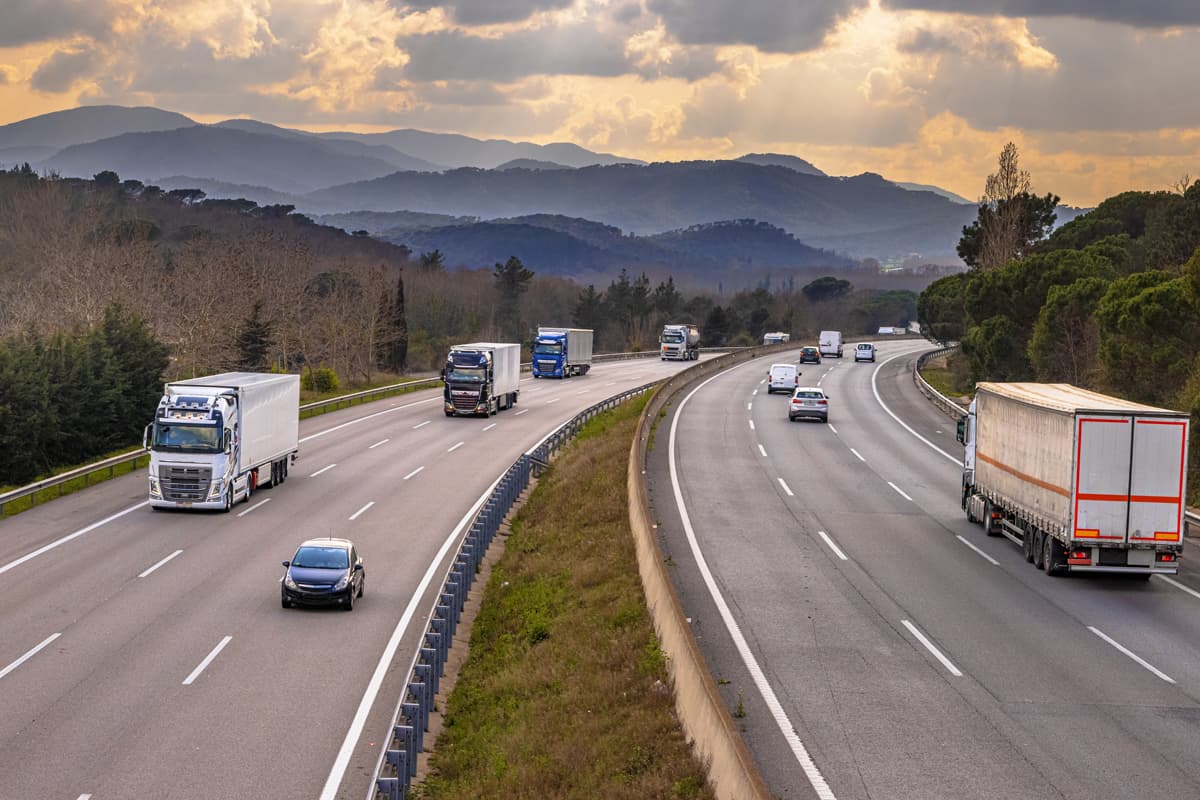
[{"x": 680, "y": 342}]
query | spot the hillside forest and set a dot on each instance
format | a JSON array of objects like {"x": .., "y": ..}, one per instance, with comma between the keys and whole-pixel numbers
[{"x": 110, "y": 287}]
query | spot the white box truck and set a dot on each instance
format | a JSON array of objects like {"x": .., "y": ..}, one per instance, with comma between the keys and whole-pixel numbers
[
  {"x": 830, "y": 344},
  {"x": 482, "y": 378},
  {"x": 1081, "y": 481},
  {"x": 776, "y": 337},
  {"x": 679, "y": 342},
  {"x": 561, "y": 352},
  {"x": 215, "y": 440}
]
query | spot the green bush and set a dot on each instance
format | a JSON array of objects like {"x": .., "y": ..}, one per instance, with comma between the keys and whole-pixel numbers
[{"x": 322, "y": 379}]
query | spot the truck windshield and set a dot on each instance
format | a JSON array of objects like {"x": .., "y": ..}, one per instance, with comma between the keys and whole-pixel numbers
[
  {"x": 672, "y": 338},
  {"x": 541, "y": 349},
  {"x": 465, "y": 374},
  {"x": 182, "y": 437}
]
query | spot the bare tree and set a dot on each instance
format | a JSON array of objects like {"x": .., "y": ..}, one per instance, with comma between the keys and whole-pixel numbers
[{"x": 1001, "y": 229}]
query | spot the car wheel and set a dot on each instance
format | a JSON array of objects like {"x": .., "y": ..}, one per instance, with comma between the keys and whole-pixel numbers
[
  {"x": 284, "y": 602},
  {"x": 349, "y": 604},
  {"x": 362, "y": 586}
]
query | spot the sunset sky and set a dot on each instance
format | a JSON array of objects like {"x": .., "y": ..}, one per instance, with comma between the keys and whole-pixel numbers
[{"x": 1100, "y": 95}]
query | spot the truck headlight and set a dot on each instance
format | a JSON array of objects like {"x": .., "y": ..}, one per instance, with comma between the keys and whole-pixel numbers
[
  {"x": 154, "y": 491},
  {"x": 215, "y": 492}
]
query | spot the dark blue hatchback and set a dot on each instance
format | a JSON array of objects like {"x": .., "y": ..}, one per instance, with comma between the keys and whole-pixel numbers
[{"x": 324, "y": 572}]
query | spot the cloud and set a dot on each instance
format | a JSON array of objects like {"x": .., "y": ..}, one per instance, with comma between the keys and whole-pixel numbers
[
  {"x": 776, "y": 26},
  {"x": 63, "y": 69},
  {"x": 489, "y": 12},
  {"x": 8, "y": 75},
  {"x": 27, "y": 21},
  {"x": 1139, "y": 13}
]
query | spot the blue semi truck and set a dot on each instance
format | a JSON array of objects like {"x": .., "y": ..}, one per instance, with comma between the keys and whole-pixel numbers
[{"x": 562, "y": 352}]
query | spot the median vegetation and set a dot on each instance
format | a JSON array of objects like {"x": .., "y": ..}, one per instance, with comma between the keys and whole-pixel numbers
[{"x": 565, "y": 691}]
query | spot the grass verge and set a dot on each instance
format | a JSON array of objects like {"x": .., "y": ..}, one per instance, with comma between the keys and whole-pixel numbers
[
  {"x": 564, "y": 693},
  {"x": 14, "y": 507},
  {"x": 949, "y": 375}
]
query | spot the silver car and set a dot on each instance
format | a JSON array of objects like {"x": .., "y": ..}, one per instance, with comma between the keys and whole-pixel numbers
[
  {"x": 864, "y": 352},
  {"x": 809, "y": 402}
]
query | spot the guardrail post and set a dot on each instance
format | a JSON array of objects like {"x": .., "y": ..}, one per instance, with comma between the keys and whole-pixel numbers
[
  {"x": 420, "y": 691},
  {"x": 390, "y": 788}
]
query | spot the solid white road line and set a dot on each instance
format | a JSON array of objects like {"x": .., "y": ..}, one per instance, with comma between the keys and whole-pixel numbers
[
  {"x": 356, "y": 514},
  {"x": 762, "y": 450},
  {"x": 489, "y": 427},
  {"x": 760, "y": 679},
  {"x": 751, "y": 423},
  {"x": 903, "y": 424},
  {"x": 857, "y": 455},
  {"x": 1179, "y": 586},
  {"x": 259, "y": 504},
  {"x": 790, "y": 493},
  {"x": 832, "y": 429},
  {"x": 900, "y": 492},
  {"x": 208, "y": 659},
  {"x": 377, "y": 444},
  {"x": 422, "y": 424},
  {"x": 159, "y": 564},
  {"x": 455, "y": 447},
  {"x": 414, "y": 472},
  {"x": 947, "y": 663},
  {"x": 319, "y": 434},
  {"x": 993, "y": 561},
  {"x": 47, "y": 548},
  {"x": 323, "y": 469},
  {"x": 29, "y": 654},
  {"x": 340, "y": 764},
  {"x": 522, "y": 411},
  {"x": 837, "y": 551},
  {"x": 1132, "y": 655}
]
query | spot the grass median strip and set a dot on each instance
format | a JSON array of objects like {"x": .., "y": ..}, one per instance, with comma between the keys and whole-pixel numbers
[{"x": 564, "y": 691}]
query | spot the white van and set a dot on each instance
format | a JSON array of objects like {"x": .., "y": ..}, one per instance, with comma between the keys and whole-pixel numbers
[
  {"x": 830, "y": 343},
  {"x": 783, "y": 378}
]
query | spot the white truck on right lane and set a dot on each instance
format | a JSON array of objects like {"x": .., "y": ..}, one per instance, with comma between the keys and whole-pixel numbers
[{"x": 1083, "y": 482}]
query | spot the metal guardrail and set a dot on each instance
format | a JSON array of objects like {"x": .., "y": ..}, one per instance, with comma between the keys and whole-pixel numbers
[
  {"x": 108, "y": 465},
  {"x": 943, "y": 403},
  {"x": 410, "y": 722}
]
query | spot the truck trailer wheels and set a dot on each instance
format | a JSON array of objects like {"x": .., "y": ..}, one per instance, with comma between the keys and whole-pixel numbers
[
  {"x": 990, "y": 526},
  {"x": 1052, "y": 556}
]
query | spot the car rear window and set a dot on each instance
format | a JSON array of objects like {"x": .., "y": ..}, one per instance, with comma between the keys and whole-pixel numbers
[
  {"x": 810, "y": 395},
  {"x": 865, "y": 347}
]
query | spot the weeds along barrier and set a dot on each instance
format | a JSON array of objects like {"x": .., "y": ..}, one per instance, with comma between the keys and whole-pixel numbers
[
  {"x": 397, "y": 764},
  {"x": 944, "y": 404}
]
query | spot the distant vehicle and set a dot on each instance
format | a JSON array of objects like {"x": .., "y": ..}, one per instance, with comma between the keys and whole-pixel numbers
[
  {"x": 324, "y": 572},
  {"x": 888, "y": 331},
  {"x": 680, "y": 342},
  {"x": 810, "y": 355},
  {"x": 864, "y": 351},
  {"x": 830, "y": 343},
  {"x": 777, "y": 337},
  {"x": 481, "y": 378},
  {"x": 809, "y": 402},
  {"x": 1081, "y": 481},
  {"x": 782, "y": 377},
  {"x": 215, "y": 440},
  {"x": 561, "y": 352}
]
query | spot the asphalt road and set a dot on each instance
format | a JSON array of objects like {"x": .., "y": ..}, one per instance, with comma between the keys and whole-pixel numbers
[
  {"x": 874, "y": 644},
  {"x": 146, "y": 655}
]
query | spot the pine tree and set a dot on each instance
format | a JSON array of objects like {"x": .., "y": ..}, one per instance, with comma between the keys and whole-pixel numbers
[{"x": 254, "y": 341}]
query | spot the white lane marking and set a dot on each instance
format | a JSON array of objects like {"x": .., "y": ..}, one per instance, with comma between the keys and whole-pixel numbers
[
  {"x": 414, "y": 472},
  {"x": 489, "y": 427},
  {"x": 208, "y": 659},
  {"x": 993, "y": 561},
  {"x": 611, "y": 383},
  {"x": 29, "y": 654},
  {"x": 1179, "y": 585},
  {"x": 755, "y": 392},
  {"x": 48, "y": 547},
  {"x": 583, "y": 391},
  {"x": 764, "y": 380},
  {"x": 422, "y": 424},
  {"x": 159, "y": 564},
  {"x": 323, "y": 469},
  {"x": 820, "y": 379},
  {"x": 749, "y": 406},
  {"x": 832, "y": 429},
  {"x": 790, "y": 493},
  {"x": 1131, "y": 654},
  {"x": 319, "y": 434},
  {"x": 903, "y": 424},
  {"x": 751, "y": 423},
  {"x": 555, "y": 400},
  {"x": 356, "y": 514},
  {"x": 762, "y": 450},
  {"x": 84, "y": 797},
  {"x": 857, "y": 455},
  {"x": 260, "y": 504},
  {"x": 900, "y": 492},
  {"x": 837, "y": 551},
  {"x": 340, "y": 764},
  {"x": 377, "y": 444},
  {"x": 760, "y": 679},
  {"x": 455, "y": 447},
  {"x": 947, "y": 663},
  {"x": 522, "y": 411}
]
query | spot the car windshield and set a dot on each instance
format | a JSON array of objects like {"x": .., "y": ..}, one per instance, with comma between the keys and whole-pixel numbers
[
  {"x": 321, "y": 558},
  {"x": 810, "y": 395}
]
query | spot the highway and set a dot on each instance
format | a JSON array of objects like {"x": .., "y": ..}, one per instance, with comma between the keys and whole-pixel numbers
[
  {"x": 872, "y": 643},
  {"x": 146, "y": 655}
]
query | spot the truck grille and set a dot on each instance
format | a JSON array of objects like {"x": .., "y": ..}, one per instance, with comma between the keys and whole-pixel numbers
[
  {"x": 464, "y": 401},
  {"x": 184, "y": 483}
]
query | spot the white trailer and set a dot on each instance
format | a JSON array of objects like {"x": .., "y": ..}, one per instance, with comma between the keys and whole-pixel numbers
[
  {"x": 1082, "y": 481},
  {"x": 562, "y": 352},
  {"x": 482, "y": 378},
  {"x": 215, "y": 440}
]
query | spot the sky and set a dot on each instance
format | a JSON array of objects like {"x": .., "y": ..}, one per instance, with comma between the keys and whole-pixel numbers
[{"x": 1099, "y": 95}]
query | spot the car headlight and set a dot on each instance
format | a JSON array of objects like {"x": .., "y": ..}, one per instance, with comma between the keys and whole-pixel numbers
[
  {"x": 288, "y": 582},
  {"x": 341, "y": 584}
]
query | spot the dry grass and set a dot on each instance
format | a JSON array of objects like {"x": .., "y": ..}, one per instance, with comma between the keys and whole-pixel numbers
[
  {"x": 564, "y": 692},
  {"x": 949, "y": 375}
]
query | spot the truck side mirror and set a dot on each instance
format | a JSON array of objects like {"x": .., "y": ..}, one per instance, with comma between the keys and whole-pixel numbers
[
  {"x": 961, "y": 431},
  {"x": 146, "y": 437},
  {"x": 228, "y": 442}
]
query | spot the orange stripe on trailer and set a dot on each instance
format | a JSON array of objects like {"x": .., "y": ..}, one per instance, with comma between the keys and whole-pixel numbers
[
  {"x": 1087, "y": 533},
  {"x": 1159, "y": 536},
  {"x": 1023, "y": 476},
  {"x": 1137, "y": 498}
]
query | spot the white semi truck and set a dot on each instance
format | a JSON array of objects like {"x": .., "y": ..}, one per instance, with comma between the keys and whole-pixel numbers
[
  {"x": 215, "y": 440},
  {"x": 561, "y": 352},
  {"x": 680, "y": 342},
  {"x": 1081, "y": 481},
  {"x": 482, "y": 378}
]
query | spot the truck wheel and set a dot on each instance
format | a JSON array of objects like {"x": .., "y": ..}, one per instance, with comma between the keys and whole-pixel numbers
[
  {"x": 989, "y": 524},
  {"x": 1052, "y": 556},
  {"x": 1038, "y": 550},
  {"x": 1027, "y": 545},
  {"x": 228, "y": 498}
]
